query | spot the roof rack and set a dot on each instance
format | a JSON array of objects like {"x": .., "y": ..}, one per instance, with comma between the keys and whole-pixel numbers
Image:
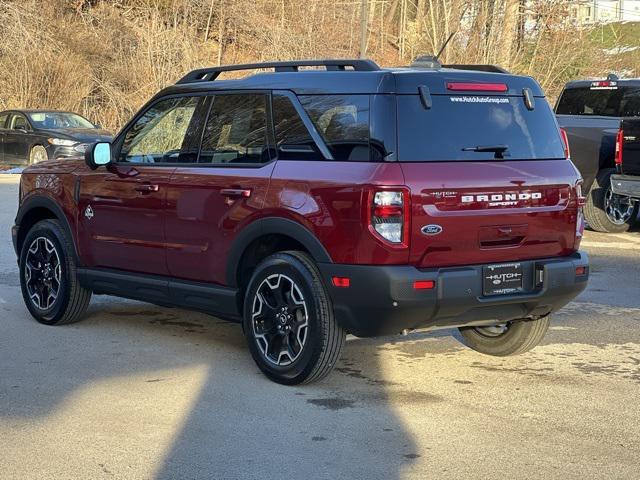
[
  {"x": 211, "y": 73},
  {"x": 478, "y": 67}
]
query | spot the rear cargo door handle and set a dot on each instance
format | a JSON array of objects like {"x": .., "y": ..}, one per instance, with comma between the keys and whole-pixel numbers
[
  {"x": 236, "y": 192},
  {"x": 147, "y": 188}
]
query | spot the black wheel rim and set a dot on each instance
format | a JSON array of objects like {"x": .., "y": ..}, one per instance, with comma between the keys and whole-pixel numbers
[
  {"x": 279, "y": 320},
  {"x": 493, "y": 330},
  {"x": 43, "y": 273},
  {"x": 618, "y": 208}
]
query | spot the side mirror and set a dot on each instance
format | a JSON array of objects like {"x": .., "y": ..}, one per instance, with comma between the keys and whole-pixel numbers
[{"x": 98, "y": 154}]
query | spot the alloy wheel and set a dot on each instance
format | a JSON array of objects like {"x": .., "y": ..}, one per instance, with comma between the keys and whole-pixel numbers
[
  {"x": 43, "y": 273},
  {"x": 618, "y": 208},
  {"x": 279, "y": 320}
]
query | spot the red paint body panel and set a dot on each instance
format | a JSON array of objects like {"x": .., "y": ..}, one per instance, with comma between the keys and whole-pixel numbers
[
  {"x": 127, "y": 228},
  {"x": 329, "y": 198},
  {"x": 202, "y": 221},
  {"x": 500, "y": 229}
]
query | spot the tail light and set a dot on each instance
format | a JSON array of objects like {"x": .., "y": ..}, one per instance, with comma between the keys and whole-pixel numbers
[
  {"x": 389, "y": 216},
  {"x": 580, "y": 221},
  {"x": 619, "y": 146},
  {"x": 565, "y": 142}
]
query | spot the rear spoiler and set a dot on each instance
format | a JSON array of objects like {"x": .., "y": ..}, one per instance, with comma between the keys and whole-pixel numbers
[{"x": 477, "y": 67}]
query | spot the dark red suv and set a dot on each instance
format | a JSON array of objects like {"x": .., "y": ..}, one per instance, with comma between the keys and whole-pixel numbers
[{"x": 308, "y": 203}]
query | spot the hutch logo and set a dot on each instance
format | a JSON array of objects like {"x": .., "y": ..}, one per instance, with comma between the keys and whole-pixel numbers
[{"x": 501, "y": 199}]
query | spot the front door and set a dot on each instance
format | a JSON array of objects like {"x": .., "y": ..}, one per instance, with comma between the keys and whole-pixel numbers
[
  {"x": 122, "y": 207},
  {"x": 210, "y": 200}
]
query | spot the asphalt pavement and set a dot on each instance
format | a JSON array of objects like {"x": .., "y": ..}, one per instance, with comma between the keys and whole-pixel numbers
[{"x": 137, "y": 391}]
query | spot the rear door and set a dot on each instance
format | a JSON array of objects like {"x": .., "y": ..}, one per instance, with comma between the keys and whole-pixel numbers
[
  {"x": 488, "y": 177},
  {"x": 214, "y": 194},
  {"x": 3, "y": 121},
  {"x": 17, "y": 139}
]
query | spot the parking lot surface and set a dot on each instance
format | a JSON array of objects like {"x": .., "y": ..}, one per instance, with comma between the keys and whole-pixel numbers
[{"x": 138, "y": 391}]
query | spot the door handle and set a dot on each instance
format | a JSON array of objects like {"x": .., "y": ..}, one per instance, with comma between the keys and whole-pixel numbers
[
  {"x": 236, "y": 192},
  {"x": 147, "y": 188}
]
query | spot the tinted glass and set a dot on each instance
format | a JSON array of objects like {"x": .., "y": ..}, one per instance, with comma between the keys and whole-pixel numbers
[
  {"x": 56, "y": 120},
  {"x": 292, "y": 137},
  {"x": 236, "y": 130},
  {"x": 343, "y": 123},
  {"x": 19, "y": 121},
  {"x": 457, "y": 125},
  {"x": 158, "y": 135},
  {"x": 617, "y": 102},
  {"x": 3, "y": 119}
]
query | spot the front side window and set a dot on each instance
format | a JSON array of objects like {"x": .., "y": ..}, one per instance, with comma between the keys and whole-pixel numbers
[
  {"x": 3, "y": 120},
  {"x": 57, "y": 120},
  {"x": 158, "y": 136},
  {"x": 236, "y": 130},
  {"x": 343, "y": 123}
]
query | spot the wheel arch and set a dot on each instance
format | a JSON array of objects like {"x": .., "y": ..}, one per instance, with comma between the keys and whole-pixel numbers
[
  {"x": 266, "y": 236},
  {"x": 35, "y": 209}
]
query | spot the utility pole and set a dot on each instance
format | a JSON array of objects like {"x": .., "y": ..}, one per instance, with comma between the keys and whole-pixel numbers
[{"x": 364, "y": 25}]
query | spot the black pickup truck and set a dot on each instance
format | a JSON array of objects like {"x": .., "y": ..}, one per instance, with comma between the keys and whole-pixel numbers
[{"x": 602, "y": 121}]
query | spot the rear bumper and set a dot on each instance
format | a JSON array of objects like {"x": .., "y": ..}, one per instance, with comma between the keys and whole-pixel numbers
[
  {"x": 381, "y": 300},
  {"x": 626, "y": 185}
]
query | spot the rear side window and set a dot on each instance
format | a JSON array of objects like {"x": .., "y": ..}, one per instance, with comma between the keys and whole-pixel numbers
[
  {"x": 609, "y": 102},
  {"x": 343, "y": 123},
  {"x": 471, "y": 128},
  {"x": 236, "y": 130},
  {"x": 292, "y": 137}
]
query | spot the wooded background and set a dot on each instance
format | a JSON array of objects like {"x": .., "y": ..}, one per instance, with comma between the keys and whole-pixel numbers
[{"x": 105, "y": 58}]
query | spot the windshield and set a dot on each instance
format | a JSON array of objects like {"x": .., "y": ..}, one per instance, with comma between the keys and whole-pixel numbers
[
  {"x": 605, "y": 102},
  {"x": 471, "y": 127},
  {"x": 58, "y": 120}
]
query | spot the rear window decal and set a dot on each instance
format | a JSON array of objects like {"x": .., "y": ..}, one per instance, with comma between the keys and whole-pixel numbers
[{"x": 479, "y": 100}]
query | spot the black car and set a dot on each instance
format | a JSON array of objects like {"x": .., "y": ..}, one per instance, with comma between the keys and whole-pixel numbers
[{"x": 33, "y": 136}]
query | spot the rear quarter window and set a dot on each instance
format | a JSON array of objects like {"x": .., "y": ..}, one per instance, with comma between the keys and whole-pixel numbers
[{"x": 456, "y": 124}]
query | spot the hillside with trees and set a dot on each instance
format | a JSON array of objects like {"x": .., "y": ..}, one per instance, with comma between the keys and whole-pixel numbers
[{"x": 105, "y": 58}]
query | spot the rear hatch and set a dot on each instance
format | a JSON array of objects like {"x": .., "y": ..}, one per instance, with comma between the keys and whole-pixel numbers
[
  {"x": 630, "y": 158},
  {"x": 486, "y": 165}
]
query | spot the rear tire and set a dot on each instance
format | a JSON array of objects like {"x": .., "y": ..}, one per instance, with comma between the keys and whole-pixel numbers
[
  {"x": 38, "y": 154},
  {"x": 48, "y": 278},
  {"x": 517, "y": 337},
  {"x": 607, "y": 212},
  {"x": 288, "y": 320}
]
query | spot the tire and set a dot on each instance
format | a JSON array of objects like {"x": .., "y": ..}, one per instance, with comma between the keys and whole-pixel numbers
[
  {"x": 607, "y": 212},
  {"x": 47, "y": 253},
  {"x": 516, "y": 337},
  {"x": 287, "y": 308},
  {"x": 38, "y": 154}
]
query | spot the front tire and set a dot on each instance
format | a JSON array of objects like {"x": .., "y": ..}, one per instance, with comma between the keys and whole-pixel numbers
[
  {"x": 607, "y": 212},
  {"x": 288, "y": 320},
  {"x": 512, "y": 338},
  {"x": 48, "y": 278},
  {"x": 38, "y": 154}
]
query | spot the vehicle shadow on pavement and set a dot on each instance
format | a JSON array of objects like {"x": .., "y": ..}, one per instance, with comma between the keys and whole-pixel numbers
[{"x": 240, "y": 425}]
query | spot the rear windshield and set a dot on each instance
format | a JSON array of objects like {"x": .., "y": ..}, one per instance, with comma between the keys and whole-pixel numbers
[
  {"x": 469, "y": 127},
  {"x": 610, "y": 102}
]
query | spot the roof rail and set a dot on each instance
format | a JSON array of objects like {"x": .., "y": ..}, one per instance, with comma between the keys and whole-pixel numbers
[
  {"x": 211, "y": 73},
  {"x": 478, "y": 67}
]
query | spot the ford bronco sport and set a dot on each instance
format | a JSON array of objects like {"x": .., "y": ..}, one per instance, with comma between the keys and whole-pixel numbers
[{"x": 311, "y": 203}]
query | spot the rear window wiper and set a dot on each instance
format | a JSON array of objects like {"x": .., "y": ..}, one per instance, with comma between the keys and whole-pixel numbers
[{"x": 497, "y": 149}]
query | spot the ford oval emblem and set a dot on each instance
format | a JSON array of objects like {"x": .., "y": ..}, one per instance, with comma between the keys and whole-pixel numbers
[{"x": 431, "y": 229}]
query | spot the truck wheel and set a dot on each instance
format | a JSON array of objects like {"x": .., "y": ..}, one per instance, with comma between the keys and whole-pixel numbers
[
  {"x": 48, "y": 278},
  {"x": 512, "y": 338},
  {"x": 288, "y": 320},
  {"x": 605, "y": 211}
]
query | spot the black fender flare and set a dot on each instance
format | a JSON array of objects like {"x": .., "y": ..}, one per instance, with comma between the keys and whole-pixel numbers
[
  {"x": 41, "y": 201},
  {"x": 273, "y": 225}
]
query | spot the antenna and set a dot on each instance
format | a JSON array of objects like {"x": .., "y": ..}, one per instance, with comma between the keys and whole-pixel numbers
[{"x": 444, "y": 45}]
